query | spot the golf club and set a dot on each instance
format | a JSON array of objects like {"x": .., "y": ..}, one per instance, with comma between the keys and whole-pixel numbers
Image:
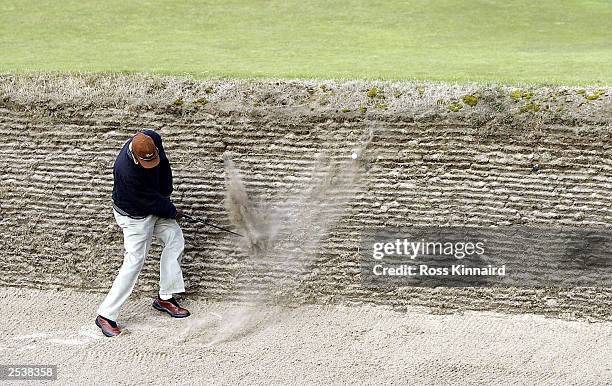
[{"x": 195, "y": 219}]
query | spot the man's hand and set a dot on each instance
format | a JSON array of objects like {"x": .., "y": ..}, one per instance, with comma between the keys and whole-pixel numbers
[{"x": 179, "y": 214}]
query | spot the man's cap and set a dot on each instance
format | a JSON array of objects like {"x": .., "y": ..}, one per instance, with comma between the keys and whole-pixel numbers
[{"x": 145, "y": 151}]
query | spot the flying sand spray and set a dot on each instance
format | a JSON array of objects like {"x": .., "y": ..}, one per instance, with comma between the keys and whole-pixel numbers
[{"x": 281, "y": 238}]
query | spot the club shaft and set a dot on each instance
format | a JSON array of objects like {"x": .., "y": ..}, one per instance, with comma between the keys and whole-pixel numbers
[{"x": 210, "y": 224}]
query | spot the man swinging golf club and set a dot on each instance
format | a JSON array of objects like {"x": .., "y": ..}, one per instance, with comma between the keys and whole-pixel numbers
[{"x": 142, "y": 208}]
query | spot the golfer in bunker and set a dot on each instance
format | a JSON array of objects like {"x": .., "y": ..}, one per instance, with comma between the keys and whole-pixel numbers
[{"x": 142, "y": 208}]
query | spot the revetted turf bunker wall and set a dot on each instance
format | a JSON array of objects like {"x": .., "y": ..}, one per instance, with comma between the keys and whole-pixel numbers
[{"x": 440, "y": 155}]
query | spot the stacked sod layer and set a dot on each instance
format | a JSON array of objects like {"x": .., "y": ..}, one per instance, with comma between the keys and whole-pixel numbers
[{"x": 440, "y": 155}]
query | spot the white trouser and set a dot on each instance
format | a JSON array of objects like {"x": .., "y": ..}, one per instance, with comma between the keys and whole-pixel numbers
[{"x": 137, "y": 237}]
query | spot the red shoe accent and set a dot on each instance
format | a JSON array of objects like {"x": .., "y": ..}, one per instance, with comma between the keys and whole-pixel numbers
[
  {"x": 171, "y": 307},
  {"x": 109, "y": 328}
]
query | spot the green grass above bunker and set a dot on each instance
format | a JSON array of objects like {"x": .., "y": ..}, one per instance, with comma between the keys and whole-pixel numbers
[{"x": 478, "y": 41}]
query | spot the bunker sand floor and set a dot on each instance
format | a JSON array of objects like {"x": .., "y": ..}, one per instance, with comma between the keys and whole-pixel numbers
[{"x": 236, "y": 343}]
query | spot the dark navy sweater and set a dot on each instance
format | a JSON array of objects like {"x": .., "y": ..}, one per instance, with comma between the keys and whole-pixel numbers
[{"x": 140, "y": 192}]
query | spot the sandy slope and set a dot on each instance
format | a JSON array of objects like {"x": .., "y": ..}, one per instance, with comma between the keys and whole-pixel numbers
[{"x": 228, "y": 343}]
